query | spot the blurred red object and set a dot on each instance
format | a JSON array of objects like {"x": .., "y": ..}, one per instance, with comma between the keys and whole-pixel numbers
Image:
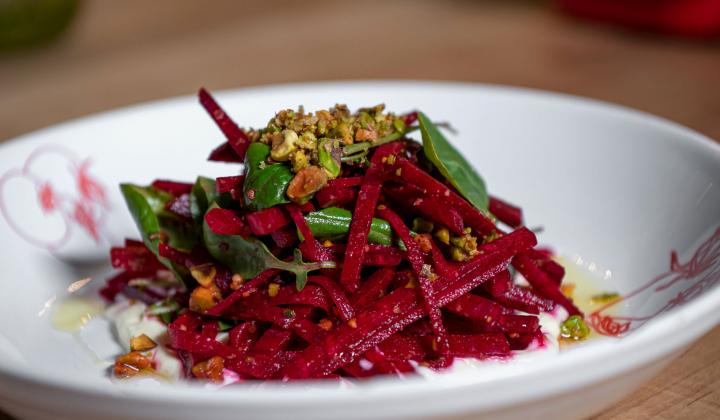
[{"x": 695, "y": 18}]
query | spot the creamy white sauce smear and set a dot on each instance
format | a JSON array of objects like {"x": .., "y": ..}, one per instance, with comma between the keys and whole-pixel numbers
[{"x": 130, "y": 320}]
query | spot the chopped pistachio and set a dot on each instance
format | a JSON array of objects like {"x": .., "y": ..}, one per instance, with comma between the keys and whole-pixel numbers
[
  {"x": 344, "y": 132},
  {"x": 574, "y": 329},
  {"x": 282, "y": 151},
  {"x": 329, "y": 153},
  {"x": 291, "y": 131},
  {"x": 604, "y": 297},
  {"x": 306, "y": 183},
  {"x": 365, "y": 134},
  {"x": 443, "y": 235},
  {"x": 204, "y": 274},
  {"x": 211, "y": 369},
  {"x": 467, "y": 242},
  {"x": 325, "y": 324},
  {"x": 204, "y": 298},
  {"x": 273, "y": 289},
  {"x": 457, "y": 254},
  {"x": 424, "y": 241},
  {"x": 568, "y": 289},
  {"x": 307, "y": 140},
  {"x": 299, "y": 161},
  {"x": 131, "y": 364},
  {"x": 491, "y": 237},
  {"x": 365, "y": 120},
  {"x": 142, "y": 343}
]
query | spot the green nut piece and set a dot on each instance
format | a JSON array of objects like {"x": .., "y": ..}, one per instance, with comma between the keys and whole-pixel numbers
[
  {"x": 574, "y": 328},
  {"x": 344, "y": 132},
  {"x": 307, "y": 140},
  {"x": 329, "y": 154},
  {"x": 457, "y": 254},
  {"x": 282, "y": 151},
  {"x": 299, "y": 161},
  {"x": 365, "y": 120},
  {"x": 443, "y": 235}
]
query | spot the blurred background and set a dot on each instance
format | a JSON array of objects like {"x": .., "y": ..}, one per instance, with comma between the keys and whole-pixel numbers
[{"x": 61, "y": 59}]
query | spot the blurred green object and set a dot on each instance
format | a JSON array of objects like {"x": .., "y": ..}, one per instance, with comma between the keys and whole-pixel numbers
[{"x": 27, "y": 23}]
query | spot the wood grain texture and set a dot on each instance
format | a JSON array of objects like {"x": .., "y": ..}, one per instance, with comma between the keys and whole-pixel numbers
[{"x": 120, "y": 53}]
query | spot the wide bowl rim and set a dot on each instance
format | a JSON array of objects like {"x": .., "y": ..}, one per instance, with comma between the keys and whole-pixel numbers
[{"x": 662, "y": 336}]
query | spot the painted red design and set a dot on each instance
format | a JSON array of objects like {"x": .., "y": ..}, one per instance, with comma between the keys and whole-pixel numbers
[
  {"x": 680, "y": 284},
  {"x": 83, "y": 205}
]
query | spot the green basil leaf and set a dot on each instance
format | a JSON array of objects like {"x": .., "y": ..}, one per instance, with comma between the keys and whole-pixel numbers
[
  {"x": 144, "y": 204},
  {"x": 452, "y": 165},
  {"x": 147, "y": 207},
  {"x": 265, "y": 184},
  {"x": 334, "y": 222},
  {"x": 203, "y": 194},
  {"x": 250, "y": 257}
]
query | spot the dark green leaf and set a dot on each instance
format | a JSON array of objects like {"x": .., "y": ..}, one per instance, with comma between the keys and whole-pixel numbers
[
  {"x": 452, "y": 165},
  {"x": 250, "y": 257},
  {"x": 147, "y": 207},
  {"x": 265, "y": 183},
  {"x": 334, "y": 222},
  {"x": 202, "y": 195},
  {"x": 144, "y": 203}
]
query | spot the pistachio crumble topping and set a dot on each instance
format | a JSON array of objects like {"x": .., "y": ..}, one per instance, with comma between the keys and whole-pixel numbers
[{"x": 310, "y": 141}]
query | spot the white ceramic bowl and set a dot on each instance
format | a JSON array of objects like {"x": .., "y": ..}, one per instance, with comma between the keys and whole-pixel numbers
[{"x": 619, "y": 188}]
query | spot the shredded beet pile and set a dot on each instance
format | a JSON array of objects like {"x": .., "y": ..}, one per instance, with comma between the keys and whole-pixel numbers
[{"x": 352, "y": 305}]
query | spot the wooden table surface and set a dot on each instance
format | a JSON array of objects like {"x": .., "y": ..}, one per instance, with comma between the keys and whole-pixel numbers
[{"x": 119, "y": 53}]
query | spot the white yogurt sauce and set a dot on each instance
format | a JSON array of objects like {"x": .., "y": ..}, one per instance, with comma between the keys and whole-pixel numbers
[{"x": 130, "y": 321}]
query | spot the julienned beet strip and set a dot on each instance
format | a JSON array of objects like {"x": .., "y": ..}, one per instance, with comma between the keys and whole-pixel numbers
[
  {"x": 373, "y": 288},
  {"x": 335, "y": 196},
  {"x": 345, "y": 309},
  {"x": 310, "y": 246},
  {"x": 427, "y": 206},
  {"x": 266, "y": 221},
  {"x": 173, "y": 187},
  {"x": 544, "y": 262},
  {"x": 400, "y": 308},
  {"x": 423, "y": 272},
  {"x": 543, "y": 284},
  {"x": 362, "y": 218},
  {"x": 236, "y": 138},
  {"x": 471, "y": 216},
  {"x": 347, "y": 182},
  {"x": 506, "y": 212}
]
